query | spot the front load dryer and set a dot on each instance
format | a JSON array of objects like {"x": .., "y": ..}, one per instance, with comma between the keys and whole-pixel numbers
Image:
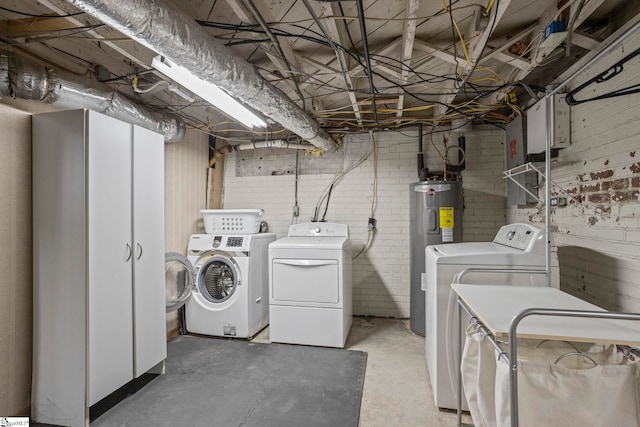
[
  {"x": 223, "y": 283},
  {"x": 310, "y": 285},
  {"x": 515, "y": 246}
]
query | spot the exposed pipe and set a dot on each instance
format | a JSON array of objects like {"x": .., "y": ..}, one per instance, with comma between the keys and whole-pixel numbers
[
  {"x": 365, "y": 46},
  {"x": 162, "y": 27},
  {"x": 24, "y": 79},
  {"x": 276, "y": 143},
  {"x": 422, "y": 171}
]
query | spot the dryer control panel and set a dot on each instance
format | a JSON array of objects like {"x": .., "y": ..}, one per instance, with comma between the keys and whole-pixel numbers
[
  {"x": 319, "y": 229},
  {"x": 525, "y": 237}
]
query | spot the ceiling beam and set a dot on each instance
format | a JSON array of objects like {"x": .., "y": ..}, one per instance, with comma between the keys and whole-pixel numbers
[
  {"x": 141, "y": 62},
  {"x": 337, "y": 36},
  {"x": 584, "y": 40},
  {"x": 30, "y": 26},
  {"x": 435, "y": 52},
  {"x": 586, "y": 11},
  {"x": 388, "y": 50},
  {"x": 508, "y": 58},
  {"x": 408, "y": 38},
  {"x": 513, "y": 60},
  {"x": 319, "y": 66}
]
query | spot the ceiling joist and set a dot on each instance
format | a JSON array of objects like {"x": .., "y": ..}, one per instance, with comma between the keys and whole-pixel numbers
[
  {"x": 408, "y": 38},
  {"x": 337, "y": 36}
]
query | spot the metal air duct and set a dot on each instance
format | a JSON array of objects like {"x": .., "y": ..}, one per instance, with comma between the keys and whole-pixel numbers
[
  {"x": 160, "y": 26},
  {"x": 21, "y": 78}
]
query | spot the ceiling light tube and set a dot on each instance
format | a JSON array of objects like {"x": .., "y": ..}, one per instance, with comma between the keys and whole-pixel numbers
[{"x": 209, "y": 92}]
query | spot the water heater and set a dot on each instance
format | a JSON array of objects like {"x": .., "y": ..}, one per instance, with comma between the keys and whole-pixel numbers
[{"x": 436, "y": 217}]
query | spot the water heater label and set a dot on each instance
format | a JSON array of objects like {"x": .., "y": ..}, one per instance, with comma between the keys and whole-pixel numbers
[
  {"x": 446, "y": 223},
  {"x": 446, "y": 217}
]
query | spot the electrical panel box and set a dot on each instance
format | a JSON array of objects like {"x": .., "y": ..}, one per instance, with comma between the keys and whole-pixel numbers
[
  {"x": 515, "y": 156},
  {"x": 537, "y": 123}
]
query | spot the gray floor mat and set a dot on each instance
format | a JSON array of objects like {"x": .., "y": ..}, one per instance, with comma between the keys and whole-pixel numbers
[{"x": 220, "y": 382}]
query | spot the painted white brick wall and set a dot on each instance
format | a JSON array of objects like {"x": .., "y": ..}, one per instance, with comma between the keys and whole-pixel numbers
[
  {"x": 597, "y": 235},
  {"x": 381, "y": 275}
]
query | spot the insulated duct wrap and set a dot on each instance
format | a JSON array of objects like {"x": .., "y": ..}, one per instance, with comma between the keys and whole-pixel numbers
[
  {"x": 20, "y": 78},
  {"x": 277, "y": 143},
  {"x": 160, "y": 26}
]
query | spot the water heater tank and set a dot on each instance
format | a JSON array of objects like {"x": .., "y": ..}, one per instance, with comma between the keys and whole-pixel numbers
[{"x": 436, "y": 217}]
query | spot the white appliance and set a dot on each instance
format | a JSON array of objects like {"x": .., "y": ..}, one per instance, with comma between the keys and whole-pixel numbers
[
  {"x": 515, "y": 246},
  {"x": 310, "y": 285},
  {"x": 223, "y": 282},
  {"x": 98, "y": 247}
]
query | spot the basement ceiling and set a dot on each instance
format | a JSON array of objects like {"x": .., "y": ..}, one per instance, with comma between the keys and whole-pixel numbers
[{"x": 353, "y": 66}]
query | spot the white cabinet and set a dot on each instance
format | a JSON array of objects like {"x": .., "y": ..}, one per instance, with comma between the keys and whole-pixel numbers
[{"x": 98, "y": 264}]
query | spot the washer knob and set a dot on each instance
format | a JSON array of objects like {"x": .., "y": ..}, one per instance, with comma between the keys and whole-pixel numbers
[{"x": 317, "y": 229}]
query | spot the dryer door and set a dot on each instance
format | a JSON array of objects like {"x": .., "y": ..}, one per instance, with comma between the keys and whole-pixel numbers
[
  {"x": 179, "y": 280},
  {"x": 217, "y": 277}
]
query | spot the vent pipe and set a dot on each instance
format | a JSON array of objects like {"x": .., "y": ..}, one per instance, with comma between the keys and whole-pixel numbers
[
  {"x": 21, "y": 78},
  {"x": 165, "y": 29}
]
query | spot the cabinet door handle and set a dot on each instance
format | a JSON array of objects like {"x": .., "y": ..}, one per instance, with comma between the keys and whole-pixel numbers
[
  {"x": 139, "y": 246},
  {"x": 129, "y": 253}
]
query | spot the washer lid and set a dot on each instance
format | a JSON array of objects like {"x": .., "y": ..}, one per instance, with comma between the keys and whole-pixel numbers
[
  {"x": 178, "y": 280},
  {"x": 311, "y": 242},
  {"x": 481, "y": 253},
  {"x": 471, "y": 248}
]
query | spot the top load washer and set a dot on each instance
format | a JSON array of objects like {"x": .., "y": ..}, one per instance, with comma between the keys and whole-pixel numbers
[
  {"x": 310, "y": 285},
  {"x": 515, "y": 246}
]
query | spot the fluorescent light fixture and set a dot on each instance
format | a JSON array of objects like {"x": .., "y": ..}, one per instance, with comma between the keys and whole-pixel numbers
[{"x": 209, "y": 92}]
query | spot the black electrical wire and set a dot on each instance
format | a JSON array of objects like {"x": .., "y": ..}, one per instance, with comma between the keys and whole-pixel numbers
[
  {"x": 297, "y": 176},
  {"x": 454, "y": 38},
  {"x": 355, "y": 56},
  {"x": 368, "y": 68},
  {"x": 326, "y": 205},
  {"x": 346, "y": 27}
]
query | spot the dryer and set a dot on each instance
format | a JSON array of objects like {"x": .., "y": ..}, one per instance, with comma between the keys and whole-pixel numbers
[
  {"x": 223, "y": 284},
  {"x": 515, "y": 246},
  {"x": 310, "y": 285}
]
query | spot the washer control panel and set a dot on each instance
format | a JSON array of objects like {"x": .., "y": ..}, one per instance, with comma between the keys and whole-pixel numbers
[
  {"x": 206, "y": 242},
  {"x": 319, "y": 229},
  {"x": 235, "y": 242},
  {"x": 525, "y": 237}
]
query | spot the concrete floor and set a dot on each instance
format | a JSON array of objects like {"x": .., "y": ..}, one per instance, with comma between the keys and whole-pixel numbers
[{"x": 396, "y": 386}]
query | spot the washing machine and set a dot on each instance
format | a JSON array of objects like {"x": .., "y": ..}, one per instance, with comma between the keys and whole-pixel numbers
[
  {"x": 223, "y": 283},
  {"x": 310, "y": 285},
  {"x": 515, "y": 246}
]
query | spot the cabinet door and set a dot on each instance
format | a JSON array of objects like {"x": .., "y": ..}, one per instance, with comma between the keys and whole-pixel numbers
[
  {"x": 110, "y": 255},
  {"x": 150, "y": 343}
]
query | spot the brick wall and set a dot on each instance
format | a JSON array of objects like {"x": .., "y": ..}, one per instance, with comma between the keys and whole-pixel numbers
[
  {"x": 266, "y": 179},
  {"x": 598, "y": 233}
]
